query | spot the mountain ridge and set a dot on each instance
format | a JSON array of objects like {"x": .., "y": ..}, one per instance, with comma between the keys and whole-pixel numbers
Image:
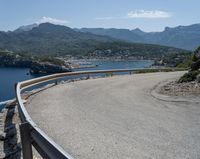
[
  {"x": 185, "y": 37},
  {"x": 51, "y": 39}
]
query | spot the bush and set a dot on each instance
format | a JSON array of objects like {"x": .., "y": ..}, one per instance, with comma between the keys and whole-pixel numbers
[
  {"x": 194, "y": 58},
  {"x": 159, "y": 70},
  {"x": 109, "y": 74},
  {"x": 188, "y": 77},
  {"x": 185, "y": 64}
]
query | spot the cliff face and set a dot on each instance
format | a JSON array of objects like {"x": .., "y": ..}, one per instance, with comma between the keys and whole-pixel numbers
[
  {"x": 9, "y": 59},
  {"x": 40, "y": 68}
]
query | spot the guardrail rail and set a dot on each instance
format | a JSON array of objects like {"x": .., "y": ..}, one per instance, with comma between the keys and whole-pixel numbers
[{"x": 31, "y": 134}]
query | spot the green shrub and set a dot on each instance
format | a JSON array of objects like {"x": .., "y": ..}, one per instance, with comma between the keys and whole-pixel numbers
[
  {"x": 160, "y": 70},
  {"x": 109, "y": 74},
  {"x": 188, "y": 77},
  {"x": 186, "y": 64},
  {"x": 194, "y": 58}
]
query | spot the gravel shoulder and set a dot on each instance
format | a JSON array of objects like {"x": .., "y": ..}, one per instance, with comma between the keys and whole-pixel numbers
[
  {"x": 173, "y": 88},
  {"x": 117, "y": 117}
]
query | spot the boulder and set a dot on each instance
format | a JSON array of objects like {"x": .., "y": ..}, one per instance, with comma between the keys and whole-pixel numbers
[{"x": 198, "y": 78}]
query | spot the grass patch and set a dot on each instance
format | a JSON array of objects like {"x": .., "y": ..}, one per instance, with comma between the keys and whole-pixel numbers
[
  {"x": 109, "y": 74},
  {"x": 160, "y": 70}
]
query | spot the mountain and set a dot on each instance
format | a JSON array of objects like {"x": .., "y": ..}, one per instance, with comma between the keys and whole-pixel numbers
[
  {"x": 26, "y": 28},
  {"x": 185, "y": 37},
  {"x": 122, "y": 34},
  {"x": 50, "y": 39}
]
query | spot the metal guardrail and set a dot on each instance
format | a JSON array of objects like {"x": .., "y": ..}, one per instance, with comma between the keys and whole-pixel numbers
[{"x": 31, "y": 134}]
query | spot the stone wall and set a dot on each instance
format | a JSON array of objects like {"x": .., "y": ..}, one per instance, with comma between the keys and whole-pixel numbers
[{"x": 10, "y": 145}]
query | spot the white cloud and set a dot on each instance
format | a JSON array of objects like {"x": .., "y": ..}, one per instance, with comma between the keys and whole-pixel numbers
[
  {"x": 140, "y": 14},
  {"x": 148, "y": 14},
  {"x": 52, "y": 20}
]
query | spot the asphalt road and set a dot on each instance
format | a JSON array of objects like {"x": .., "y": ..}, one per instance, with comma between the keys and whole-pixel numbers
[{"x": 117, "y": 117}]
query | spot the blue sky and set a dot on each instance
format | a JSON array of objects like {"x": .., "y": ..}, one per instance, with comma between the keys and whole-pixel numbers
[{"x": 149, "y": 15}]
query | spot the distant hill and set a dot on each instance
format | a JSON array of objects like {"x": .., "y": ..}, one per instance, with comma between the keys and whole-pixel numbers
[
  {"x": 50, "y": 39},
  {"x": 122, "y": 34},
  {"x": 185, "y": 37}
]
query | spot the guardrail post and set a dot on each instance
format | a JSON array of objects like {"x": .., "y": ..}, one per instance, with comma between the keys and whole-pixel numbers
[
  {"x": 26, "y": 141},
  {"x": 88, "y": 76},
  {"x": 56, "y": 82}
]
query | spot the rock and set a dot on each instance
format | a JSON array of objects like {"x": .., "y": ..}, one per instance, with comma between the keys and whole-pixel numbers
[
  {"x": 2, "y": 135},
  {"x": 2, "y": 155},
  {"x": 11, "y": 112},
  {"x": 11, "y": 132},
  {"x": 11, "y": 104},
  {"x": 10, "y": 143},
  {"x": 14, "y": 153},
  {"x": 197, "y": 53},
  {"x": 13, "y": 141},
  {"x": 83, "y": 78},
  {"x": 198, "y": 78},
  {"x": 176, "y": 89},
  {"x": 9, "y": 127},
  {"x": 3, "y": 111},
  {"x": 62, "y": 82},
  {"x": 24, "y": 101},
  {"x": 166, "y": 88}
]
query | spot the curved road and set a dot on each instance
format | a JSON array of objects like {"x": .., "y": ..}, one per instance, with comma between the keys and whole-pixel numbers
[{"x": 117, "y": 117}]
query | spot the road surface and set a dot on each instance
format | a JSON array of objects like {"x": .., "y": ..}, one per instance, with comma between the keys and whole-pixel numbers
[{"x": 117, "y": 117}]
